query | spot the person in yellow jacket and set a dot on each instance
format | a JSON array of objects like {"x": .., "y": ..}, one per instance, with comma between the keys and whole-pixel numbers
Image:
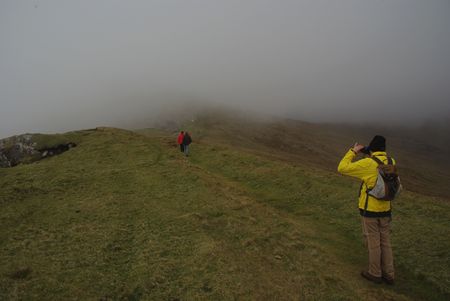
[{"x": 376, "y": 214}]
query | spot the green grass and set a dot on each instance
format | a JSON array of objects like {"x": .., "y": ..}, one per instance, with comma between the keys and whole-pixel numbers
[
  {"x": 47, "y": 141},
  {"x": 421, "y": 156},
  {"x": 125, "y": 216}
]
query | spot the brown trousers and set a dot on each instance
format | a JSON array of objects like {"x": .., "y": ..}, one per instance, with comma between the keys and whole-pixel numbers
[{"x": 376, "y": 233}]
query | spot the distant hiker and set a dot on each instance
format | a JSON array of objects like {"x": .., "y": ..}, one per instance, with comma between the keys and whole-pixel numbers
[
  {"x": 186, "y": 141},
  {"x": 375, "y": 211},
  {"x": 180, "y": 141}
]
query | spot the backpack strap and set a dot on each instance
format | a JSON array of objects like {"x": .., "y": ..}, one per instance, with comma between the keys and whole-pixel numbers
[
  {"x": 378, "y": 160},
  {"x": 360, "y": 188},
  {"x": 366, "y": 203}
]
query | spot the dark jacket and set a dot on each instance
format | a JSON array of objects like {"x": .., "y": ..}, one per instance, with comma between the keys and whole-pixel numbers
[{"x": 187, "y": 139}]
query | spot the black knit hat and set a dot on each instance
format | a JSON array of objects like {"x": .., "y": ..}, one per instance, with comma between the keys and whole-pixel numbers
[{"x": 377, "y": 144}]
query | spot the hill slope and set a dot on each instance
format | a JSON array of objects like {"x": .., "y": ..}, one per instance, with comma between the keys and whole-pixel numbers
[
  {"x": 422, "y": 153},
  {"x": 124, "y": 216}
]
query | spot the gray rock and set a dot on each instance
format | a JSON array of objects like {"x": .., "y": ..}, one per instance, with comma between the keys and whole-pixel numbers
[
  {"x": 4, "y": 162},
  {"x": 19, "y": 151},
  {"x": 22, "y": 149}
]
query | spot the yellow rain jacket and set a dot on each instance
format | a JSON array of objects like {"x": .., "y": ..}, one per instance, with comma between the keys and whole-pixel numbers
[{"x": 366, "y": 170}]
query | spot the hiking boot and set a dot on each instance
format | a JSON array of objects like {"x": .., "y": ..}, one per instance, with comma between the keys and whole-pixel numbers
[
  {"x": 388, "y": 280},
  {"x": 369, "y": 277}
]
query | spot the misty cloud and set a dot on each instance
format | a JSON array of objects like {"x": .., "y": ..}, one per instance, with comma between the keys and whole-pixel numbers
[{"x": 78, "y": 64}]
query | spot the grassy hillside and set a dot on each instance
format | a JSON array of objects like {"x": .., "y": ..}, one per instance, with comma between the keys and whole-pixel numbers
[
  {"x": 422, "y": 153},
  {"x": 125, "y": 216}
]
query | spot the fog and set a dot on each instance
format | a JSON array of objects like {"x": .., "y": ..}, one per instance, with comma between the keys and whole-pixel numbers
[{"x": 67, "y": 65}]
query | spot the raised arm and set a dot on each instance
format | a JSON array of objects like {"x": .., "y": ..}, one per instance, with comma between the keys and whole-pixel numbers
[{"x": 357, "y": 169}]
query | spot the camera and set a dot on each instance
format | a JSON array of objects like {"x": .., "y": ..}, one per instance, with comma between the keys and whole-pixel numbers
[{"x": 365, "y": 150}]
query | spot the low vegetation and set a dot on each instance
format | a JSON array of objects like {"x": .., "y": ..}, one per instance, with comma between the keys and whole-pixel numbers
[{"x": 125, "y": 216}]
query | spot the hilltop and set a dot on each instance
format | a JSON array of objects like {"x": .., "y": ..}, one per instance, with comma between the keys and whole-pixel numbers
[{"x": 125, "y": 216}]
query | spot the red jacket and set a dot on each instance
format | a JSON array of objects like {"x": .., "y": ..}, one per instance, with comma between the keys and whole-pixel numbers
[{"x": 180, "y": 138}]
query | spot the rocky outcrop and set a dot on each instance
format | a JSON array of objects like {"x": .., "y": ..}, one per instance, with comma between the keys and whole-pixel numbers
[
  {"x": 22, "y": 149},
  {"x": 56, "y": 150},
  {"x": 4, "y": 162},
  {"x": 16, "y": 149}
]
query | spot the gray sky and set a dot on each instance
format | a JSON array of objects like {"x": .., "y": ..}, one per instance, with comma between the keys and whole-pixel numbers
[{"x": 77, "y": 64}]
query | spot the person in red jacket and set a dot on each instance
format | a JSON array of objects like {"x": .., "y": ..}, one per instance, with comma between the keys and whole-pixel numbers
[{"x": 180, "y": 141}]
